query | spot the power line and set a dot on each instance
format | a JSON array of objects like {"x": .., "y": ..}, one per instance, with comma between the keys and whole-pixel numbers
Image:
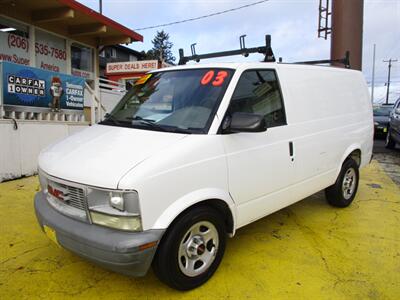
[{"x": 203, "y": 17}]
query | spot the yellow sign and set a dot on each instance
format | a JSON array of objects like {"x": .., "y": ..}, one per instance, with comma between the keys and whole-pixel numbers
[
  {"x": 51, "y": 234},
  {"x": 143, "y": 79}
]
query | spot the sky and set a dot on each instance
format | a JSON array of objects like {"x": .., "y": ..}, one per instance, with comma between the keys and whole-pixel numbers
[{"x": 291, "y": 23}]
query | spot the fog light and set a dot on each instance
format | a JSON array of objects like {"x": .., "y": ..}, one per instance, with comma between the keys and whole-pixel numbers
[
  {"x": 131, "y": 223},
  {"x": 117, "y": 201}
]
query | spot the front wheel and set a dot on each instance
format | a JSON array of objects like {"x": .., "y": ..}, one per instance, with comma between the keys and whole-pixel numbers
[
  {"x": 192, "y": 249},
  {"x": 343, "y": 192}
]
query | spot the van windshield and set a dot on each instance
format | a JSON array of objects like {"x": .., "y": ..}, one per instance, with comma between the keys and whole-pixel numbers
[
  {"x": 382, "y": 111},
  {"x": 182, "y": 101}
]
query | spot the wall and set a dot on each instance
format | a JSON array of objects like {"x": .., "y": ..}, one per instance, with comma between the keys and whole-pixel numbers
[{"x": 20, "y": 148}]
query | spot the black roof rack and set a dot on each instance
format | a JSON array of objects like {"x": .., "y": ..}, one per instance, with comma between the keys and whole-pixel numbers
[
  {"x": 266, "y": 50},
  {"x": 345, "y": 61}
]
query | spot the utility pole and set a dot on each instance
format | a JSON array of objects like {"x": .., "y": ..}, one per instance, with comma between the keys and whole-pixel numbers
[
  {"x": 373, "y": 76},
  {"x": 388, "y": 82},
  {"x": 343, "y": 20},
  {"x": 347, "y": 31},
  {"x": 101, "y": 6}
]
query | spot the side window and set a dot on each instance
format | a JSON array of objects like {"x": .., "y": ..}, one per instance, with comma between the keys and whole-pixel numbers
[{"x": 258, "y": 92}]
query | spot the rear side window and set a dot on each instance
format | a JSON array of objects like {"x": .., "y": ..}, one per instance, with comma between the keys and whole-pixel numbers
[{"x": 258, "y": 92}]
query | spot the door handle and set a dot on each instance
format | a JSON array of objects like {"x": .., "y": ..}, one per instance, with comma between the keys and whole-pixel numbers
[{"x": 291, "y": 151}]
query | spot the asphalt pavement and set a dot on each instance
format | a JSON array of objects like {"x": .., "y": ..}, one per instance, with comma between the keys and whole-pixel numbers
[{"x": 389, "y": 159}]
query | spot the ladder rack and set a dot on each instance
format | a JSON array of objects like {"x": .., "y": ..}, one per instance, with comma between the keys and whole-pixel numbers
[{"x": 266, "y": 50}]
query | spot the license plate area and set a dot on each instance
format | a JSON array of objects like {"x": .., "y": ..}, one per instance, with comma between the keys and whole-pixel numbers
[{"x": 51, "y": 234}]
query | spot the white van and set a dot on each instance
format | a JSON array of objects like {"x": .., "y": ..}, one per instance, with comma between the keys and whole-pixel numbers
[{"x": 192, "y": 153}]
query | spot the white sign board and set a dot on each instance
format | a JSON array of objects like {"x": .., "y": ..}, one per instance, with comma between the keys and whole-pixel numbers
[
  {"x": 50, "y": 52},
  {"x": 132, "y": 66}
]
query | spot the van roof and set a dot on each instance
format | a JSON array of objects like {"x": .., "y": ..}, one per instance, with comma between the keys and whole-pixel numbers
[{"x": 246, "y": 65}]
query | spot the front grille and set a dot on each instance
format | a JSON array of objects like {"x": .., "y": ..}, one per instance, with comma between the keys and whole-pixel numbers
[
  {"x": 68, "y": 199},
  {"x": 69, "y": 195},
  {"x": 75, "y": 197}
]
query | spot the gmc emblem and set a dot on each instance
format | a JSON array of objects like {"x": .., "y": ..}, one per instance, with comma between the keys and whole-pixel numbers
[{"x": 55, "y": 193}]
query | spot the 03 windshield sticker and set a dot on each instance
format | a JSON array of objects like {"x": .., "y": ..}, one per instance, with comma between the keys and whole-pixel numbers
[{"x": 217, "y": 80}]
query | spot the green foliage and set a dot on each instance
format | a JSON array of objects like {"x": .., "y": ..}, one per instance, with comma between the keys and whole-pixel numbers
[{"x": 161, "y": 48}]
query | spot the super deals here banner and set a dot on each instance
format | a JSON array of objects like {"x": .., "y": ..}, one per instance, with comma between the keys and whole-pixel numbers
[{"x": 26, "y": 86}]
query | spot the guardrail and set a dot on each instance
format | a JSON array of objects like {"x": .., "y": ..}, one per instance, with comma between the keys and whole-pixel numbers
[
  {"x": 110, "y": 85},
  {"x": 97, "y": 110},
  {"x": 110, "y": 92}
]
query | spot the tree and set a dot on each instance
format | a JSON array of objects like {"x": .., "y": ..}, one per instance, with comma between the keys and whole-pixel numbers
[{"x": 161, "y": 48}]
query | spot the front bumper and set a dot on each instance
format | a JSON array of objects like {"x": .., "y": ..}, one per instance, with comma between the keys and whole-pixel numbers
[{"x": 112, "y": 249}]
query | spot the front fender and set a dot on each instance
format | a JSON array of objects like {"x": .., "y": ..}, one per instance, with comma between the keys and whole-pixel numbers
[
  {"x": 195, "y": 197},
  {"x": 351, "y": 148}
]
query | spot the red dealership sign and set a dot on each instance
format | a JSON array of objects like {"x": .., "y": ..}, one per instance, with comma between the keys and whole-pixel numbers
[{"x": 131, "y": 66}]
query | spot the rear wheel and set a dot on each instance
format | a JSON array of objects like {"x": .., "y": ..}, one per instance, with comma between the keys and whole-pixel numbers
[
  {"x": 343, "y": 192},
  {"x": 192, "y": 249},
  {"x": 390, "y": 143}
]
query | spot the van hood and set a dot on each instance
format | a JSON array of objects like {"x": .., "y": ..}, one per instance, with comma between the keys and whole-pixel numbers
[
  {"x": 101, "y": 155},
  {"x": 384, "y": 120}
]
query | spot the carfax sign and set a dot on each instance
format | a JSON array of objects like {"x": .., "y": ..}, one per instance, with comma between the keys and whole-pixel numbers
[{"x": 26, "y": 86}]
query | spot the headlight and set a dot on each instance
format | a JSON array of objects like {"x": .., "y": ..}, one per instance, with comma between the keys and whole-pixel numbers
[
  {"x": 115, "y": 209},
  {"x": 131, "y": 223},
  {"x": 117, "y": 201}
]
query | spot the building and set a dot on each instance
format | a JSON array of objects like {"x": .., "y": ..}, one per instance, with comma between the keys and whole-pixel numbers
[
  {"x": 116, "y": 53},
  {"x": 125, "y": 65},
  {"x": 49, "y": 68}
]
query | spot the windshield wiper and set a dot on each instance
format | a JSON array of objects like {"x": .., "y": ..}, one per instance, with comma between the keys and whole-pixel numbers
[
  {"x": 149, "y": 122},
  {"x": 180, "y": 130},
  {"x": 112, "y": 119},
  {"x": 139, "y": 118},
  {"x": 152, "y": 123}
]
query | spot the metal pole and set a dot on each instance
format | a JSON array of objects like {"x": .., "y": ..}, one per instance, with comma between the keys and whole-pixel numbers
[
  {"x": 101, "y": 6},
  {"x": 373, "y": 75},
  {"x": 388, "y": 82}
]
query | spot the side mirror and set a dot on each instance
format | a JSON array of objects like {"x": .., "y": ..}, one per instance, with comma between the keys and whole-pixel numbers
[
  {"x": 244, "y": 122},
  {"x": 397, "y": 111}
]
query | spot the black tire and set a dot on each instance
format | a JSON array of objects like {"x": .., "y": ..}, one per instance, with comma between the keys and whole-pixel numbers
[
  {"x": 337, "y": 194},
  {"x": 168, "y": 262},
  {"x": 389, "y": 143}
]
